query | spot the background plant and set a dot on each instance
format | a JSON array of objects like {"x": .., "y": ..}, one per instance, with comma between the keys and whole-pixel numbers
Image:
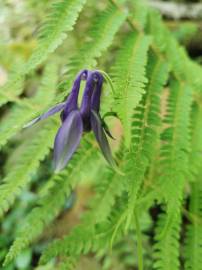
[{"x": 89, "y": 216}]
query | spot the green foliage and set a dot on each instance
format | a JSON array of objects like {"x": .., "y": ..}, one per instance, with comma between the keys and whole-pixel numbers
[
  {"x": 25, "y": 109},
  {"x": 158, "y": 145},
  {"x": 27, "y": 164},
  {"x": 193, "y": 253},
  {"x": 59, "y": 21},
  {"x": 145, "y": 124},
  {"x": 196, "y": 140},
  {"x": 166, "y": 249},
  {"x": 51, "y": 201},
  {"x": 101, "y": 35},
  {"x": 14, "y": 85},
  {"x": 130, "y": 88}
]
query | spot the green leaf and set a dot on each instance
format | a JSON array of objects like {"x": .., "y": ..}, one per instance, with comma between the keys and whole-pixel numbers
[
  {"x": 58, "y": 22},
  {"x": 129, "y": 78}
]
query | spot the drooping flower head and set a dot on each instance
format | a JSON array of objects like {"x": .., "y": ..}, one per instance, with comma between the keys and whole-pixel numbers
[{"x": 76, "y": 121}]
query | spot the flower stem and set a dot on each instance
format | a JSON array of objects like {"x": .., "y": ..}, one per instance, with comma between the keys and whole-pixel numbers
[{"x": 108, "y": 79}]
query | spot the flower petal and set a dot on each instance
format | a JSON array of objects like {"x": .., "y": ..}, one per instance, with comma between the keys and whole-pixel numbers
[
  {"x": 97, "y": 128},
  {"x": 67, "y": 139},
  {"x": 45, "y": 115},
  {"x": 95, "y": 100},
  {"x": 72, "y": 99}
]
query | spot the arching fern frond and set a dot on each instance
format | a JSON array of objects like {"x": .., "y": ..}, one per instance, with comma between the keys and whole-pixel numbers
[
  {"x": 129, "y": 78},
  {"x": 68, "y": 263},
  {"x": 86, "y": 237},
  {"x": 60, "y": 20},
  {"x": 195, "y": 159},
  {"x": 14, "y": 85},
  {"x": 175, "y": 149},
  {"x": 101, "y": 34},
  {"x": 166, "y": 250},
  {"x": 26, "y": 165},
  {"x": 79, "y": 241},
  {"x": 110, "y": 185},
  {"x": 52, "y": 200},
  {"x": 193, "y": 242},
  {"x": 182, "y": 66},
  {"x": 26, "y": 109},
  {"x": 46, "y": 210},
  {"x": 140, "y": 13},
  {"x": 145, "y": 125}
]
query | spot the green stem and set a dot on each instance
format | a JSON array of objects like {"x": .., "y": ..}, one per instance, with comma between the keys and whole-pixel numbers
[
  {"x": 139, "y": 243},
  {"x": 108, "y": 79}
]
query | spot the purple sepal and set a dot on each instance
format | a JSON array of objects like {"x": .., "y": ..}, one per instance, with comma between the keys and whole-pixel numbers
[
  {"x": 97, "y": 128},
  {"x": 95, "y": 100},
  {"x": 67, "y": 139},
  {"x": 45, "y": 115},
  {"x": 72, "y": 99}
]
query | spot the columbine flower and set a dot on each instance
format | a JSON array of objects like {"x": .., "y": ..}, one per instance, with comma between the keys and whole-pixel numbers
[{"x": 76, "y": 121}]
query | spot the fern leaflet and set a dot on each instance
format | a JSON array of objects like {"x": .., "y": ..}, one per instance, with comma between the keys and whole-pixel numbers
[
  {"x": 14, "y": 85},
  {"x": 129, "y": 78},
  {"x": 166, "y": 250},
  {"x": 193, "y": 248},
  {"x": 25, "y": 109},
  {"x": 51, "y": 201},
  {"x": 27, "y": 164},
  {"x": 145, "y": 123},
  {"x": 61, "y": 19},
  {"x": 101, "y": 34}
]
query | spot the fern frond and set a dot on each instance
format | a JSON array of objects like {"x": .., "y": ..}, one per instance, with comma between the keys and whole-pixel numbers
[
  {"x": 166, "y": 249},
  {"x": 145, "y": 124},
  {"x": 47, "y": 209},
  {"x": 182, "y": 66},
  {"x": 68, "y": 263},
  {"x": 129, "y": 78},
  {"x": 193, "y": 248},
  {"x": 101, "y": 34},
  {"x": 195, "y": 159},
  {"x": 79, "y": 241},
  {"x": 26, "y": 165},
  {"x": 60, "y": 20},
  {"x": 175, "y": 149},
  {"x": 156, "y": 28},
  {"x": 51, "y": 202},
  {"x": 86, "y": 237},
  {"x": 165, "y": 42},
  {"x": 14, "y": 85},
  {"x": 110, "y": 185},
  {"x": 26, "y": 109},
  {"x": 140, "y": 13}
]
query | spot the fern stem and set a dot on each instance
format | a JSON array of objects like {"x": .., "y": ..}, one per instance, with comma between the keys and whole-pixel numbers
[
  {"x": 135, "y": 26},
  {"x": 139, "y": 242},
  {"x": 108, "y": 79}
]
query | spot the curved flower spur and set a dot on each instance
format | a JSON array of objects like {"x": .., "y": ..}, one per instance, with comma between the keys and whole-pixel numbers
[{"x": 76, "y": 121}]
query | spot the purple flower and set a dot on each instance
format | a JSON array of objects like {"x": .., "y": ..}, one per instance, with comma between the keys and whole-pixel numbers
[{"x": 76, "y": 121}]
